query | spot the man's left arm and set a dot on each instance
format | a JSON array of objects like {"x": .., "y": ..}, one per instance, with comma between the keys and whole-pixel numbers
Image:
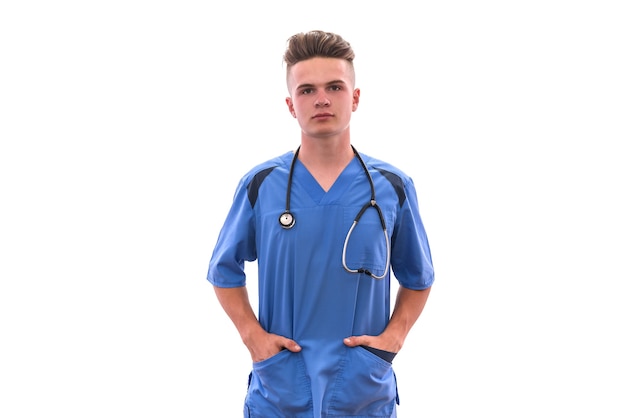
[{"x": 409, "y": 306}]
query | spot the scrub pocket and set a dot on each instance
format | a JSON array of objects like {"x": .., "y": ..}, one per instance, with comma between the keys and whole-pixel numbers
[
  {"x": 365, "y": 386},
  {"x": 367, "y": 247},
  {"x": 279, "y": 387}
]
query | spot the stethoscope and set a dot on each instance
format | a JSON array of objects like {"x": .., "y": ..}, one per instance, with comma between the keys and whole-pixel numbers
[{"x": 287, "y": 220}]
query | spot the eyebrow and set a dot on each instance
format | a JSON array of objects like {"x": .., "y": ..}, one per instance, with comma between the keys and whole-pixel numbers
[{"x": 330, "y": 83}]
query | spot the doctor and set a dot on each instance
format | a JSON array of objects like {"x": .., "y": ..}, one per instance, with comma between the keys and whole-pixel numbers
[{"x": 327, "y": 227}]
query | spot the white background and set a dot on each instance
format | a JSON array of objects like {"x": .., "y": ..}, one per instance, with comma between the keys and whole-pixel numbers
[{"x": 126, "y": 125}]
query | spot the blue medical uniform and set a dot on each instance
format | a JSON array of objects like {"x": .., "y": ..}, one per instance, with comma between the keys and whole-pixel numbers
[{"x": 305, "y": 293}]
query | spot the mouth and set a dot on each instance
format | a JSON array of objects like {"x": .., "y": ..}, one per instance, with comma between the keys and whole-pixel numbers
[{"x": 322, "y": 115}]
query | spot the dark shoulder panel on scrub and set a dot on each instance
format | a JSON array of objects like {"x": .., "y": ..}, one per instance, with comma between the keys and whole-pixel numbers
[
  {"x": 255, "y": 184},
  {"x": 396, "y": 182}
]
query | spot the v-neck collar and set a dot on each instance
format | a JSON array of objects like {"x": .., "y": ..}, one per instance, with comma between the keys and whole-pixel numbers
[{"x": 339, "y": 187}]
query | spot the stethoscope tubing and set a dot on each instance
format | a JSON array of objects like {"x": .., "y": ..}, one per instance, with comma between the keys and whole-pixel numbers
[
  {"x": 363, "y": 270},
  {"x": 287, "y": 220}
]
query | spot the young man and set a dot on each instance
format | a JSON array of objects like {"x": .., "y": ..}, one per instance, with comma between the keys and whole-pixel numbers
[{"x": 326, "y": 225}]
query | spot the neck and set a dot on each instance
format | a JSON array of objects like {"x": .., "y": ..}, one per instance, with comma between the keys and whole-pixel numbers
[
  {"x": 325, "y": 162},
  {"x": 326, "y": 153}
]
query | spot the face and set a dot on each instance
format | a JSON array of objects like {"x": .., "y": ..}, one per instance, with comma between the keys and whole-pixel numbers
[{"x": 322, "y": 95}]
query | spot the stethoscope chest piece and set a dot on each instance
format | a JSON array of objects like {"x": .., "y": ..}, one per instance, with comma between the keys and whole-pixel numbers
[{"x": 286, "y": 220}]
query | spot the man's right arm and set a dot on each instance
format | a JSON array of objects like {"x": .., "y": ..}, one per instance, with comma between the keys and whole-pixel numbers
[{"x": 261, "y": 344}]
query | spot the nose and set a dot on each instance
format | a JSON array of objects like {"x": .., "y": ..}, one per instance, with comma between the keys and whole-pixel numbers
[{"x": 322, "y": 100}]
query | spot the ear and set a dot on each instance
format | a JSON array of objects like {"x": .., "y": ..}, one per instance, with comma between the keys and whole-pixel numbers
[
  {"x": 356, "y": 96},
  {"x": 290, "y": 106}
]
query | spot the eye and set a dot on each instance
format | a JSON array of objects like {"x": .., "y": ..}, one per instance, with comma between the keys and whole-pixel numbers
[
  {"x": 335, "y": 87},
  {"x": 306, "y": 91}
]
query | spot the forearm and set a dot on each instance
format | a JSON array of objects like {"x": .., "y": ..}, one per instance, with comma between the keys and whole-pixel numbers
[
  {"x": 236, "y": 304},
  {"x": 408, "y": 308},
  {"x": 260, "y": 343}
]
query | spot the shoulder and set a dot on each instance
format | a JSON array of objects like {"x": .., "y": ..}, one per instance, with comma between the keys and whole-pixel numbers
[
  {"x": 260, "y": 171},
  {"x": 395, "y": 177},
  {"x": 386, "y": 168},
  {"x": 250, "y": 183}
]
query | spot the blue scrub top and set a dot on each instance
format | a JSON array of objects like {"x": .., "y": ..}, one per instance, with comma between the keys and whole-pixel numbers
[{"x": 306, "y": 295}]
